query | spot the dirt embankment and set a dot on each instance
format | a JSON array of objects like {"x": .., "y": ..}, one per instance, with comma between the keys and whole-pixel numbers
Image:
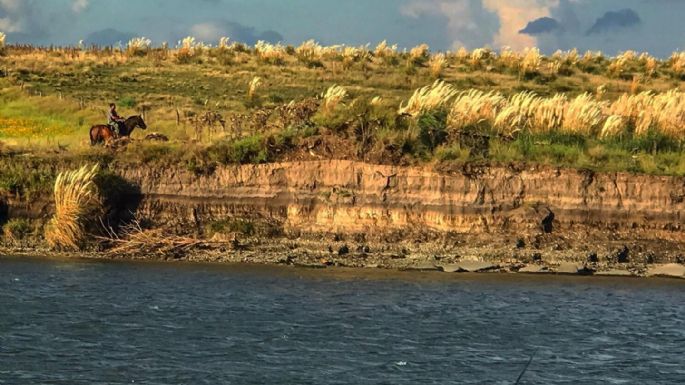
[{"x": 357, "y": 214}]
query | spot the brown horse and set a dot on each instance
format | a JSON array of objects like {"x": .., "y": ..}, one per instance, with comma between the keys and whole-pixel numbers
[{"x": 103, "y": 133}]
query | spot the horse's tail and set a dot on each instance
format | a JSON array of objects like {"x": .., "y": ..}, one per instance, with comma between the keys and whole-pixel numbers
[{"x": 92, "y": 136}]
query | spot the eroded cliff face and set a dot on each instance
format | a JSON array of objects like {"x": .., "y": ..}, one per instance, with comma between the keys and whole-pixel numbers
[{"x": 350, "y": 197}]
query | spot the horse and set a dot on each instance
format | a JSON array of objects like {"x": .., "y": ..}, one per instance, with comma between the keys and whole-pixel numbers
[{"x": 103, "y": 133}]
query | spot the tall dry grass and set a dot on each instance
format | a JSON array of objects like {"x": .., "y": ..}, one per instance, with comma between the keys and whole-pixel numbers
[
  {"x": 474, "y": 107},
  {"x": 420, "y": 52},
  {"x": 517, "y": 114},
  {"x": 138, "y": 46},
  {"x": 677, "y": 63},
  {"x": 531, "y": 62},
  {"x": 583, "y": 115},
  {"x": 333, "y": 97},
  {"x": 428, "y": 99},
  {"x": 270, "y": 53},
  {"x": 75, "y": 196},
  {"x": 224, "y": 42},
  {"x": 253, "y": 86},
  {"x": 437, "y": 64}
]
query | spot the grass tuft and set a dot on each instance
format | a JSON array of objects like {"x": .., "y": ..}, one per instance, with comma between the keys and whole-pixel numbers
[{"x": 75, "y": 195}]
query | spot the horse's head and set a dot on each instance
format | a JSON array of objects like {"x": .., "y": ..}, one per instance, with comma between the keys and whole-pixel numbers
[{"x": 138, "y": 120}]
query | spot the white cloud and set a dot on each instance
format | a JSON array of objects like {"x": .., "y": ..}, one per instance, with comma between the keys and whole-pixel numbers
[
  {"x": 10, "y": 5},
  {"x": 79, "y": 6},
  {"x": 472, "y": 18},
  {"x": 514, "y": 15},
  {"x": 468, "y": 23},
  {"x": 207, "y": 31}
]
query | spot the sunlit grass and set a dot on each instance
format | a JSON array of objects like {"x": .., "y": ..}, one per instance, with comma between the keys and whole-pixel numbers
[{"x": 75, "y": 196}]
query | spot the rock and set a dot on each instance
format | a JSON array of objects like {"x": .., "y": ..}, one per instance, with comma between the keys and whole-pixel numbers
[
  {"x": 534, "y": 269},
  {"x": 675, "y": 270},
  {"x": 424, "y": 266},
  {"x": 546, "y": 218},
  {"x": 474, "y": 267},
  {"x": 568, "y": 268},
  {"x": 520, "y": 243},
  {"x": 621, "y": 256},
  {"x": 592, "y": 258},
  {"x": 343, "y": 250},
  {"x": 468, "y": 267},
  {"x": 615, "y": 273},
  {"x": 453, "y": 268},
  {"x": 573, "y": 268}
]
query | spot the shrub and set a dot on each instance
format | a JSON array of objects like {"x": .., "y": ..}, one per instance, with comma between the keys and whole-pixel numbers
[
  {"x": 226, "y": 226},
  {"x": 251, "y": 149},
  {"x": 432, "y": 129},
  {"x": 16, "y": 229},
  {"x": 127, "y": 102}
]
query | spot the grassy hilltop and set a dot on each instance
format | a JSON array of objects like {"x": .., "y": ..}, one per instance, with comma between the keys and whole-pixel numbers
[{"x": 238, "y": 104}]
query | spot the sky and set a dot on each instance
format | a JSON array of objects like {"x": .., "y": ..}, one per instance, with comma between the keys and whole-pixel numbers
[{"x": 611, "y": 26}]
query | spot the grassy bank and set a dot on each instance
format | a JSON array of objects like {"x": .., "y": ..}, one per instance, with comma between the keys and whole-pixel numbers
[{"x": 237, "y": 104}]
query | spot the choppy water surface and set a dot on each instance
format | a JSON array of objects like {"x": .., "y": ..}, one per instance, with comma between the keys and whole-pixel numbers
[{"x": 106, "y": 323}]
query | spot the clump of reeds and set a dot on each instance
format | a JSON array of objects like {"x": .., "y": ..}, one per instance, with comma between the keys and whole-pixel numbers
[
  {"x": 437, "y": 64},
  {"x": 509, "y": 58},
  {"x": 420, "y": 53},
  {"x": 3, "y": 37},
  {"x": 270, "y": 53},
  {"x": 614, "y": 126},
  {"x": 309, "y": 51},
  {"x": 75, "y": 197},
  {"x": 548, "y": 114},
  {"x": 531, "y": 61},
  {"x": 428, "y": 99},
  {"x": 254, "y": 85},
  {"x": 479, "y": 56},
  {"x": 651, "y": 66},
  {"x": 138, "y": 46},
  {"x": 619, "y": 64},
  {"x": 462, "y": 54},
  {"x": 474, "y": 107},
  {"x": 189, "y": 48},
  {"x": 333, "y": 97},
  {"x": 517, "y": 114},
  {"x": 677, "y": 63},
  {"x": 225, "y": 43},
  {"x": 385, "y": 53},
  {"x": 583, "y": 115}
]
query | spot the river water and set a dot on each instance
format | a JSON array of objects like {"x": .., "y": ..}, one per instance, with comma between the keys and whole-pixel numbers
[{"x": 76, "y": 322}]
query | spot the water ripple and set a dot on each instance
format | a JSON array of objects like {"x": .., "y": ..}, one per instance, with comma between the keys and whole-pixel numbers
[{"x": 90, "y": 323}]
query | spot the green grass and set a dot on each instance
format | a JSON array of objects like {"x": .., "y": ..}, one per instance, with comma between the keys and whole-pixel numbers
[{"x": 48, "y": 103}]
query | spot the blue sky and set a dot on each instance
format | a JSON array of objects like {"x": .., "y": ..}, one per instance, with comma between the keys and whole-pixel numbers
[{"x": 608, "y": 25}]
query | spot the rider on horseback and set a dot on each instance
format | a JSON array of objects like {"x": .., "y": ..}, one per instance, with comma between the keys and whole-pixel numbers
[{"x": 114, "y": 120}]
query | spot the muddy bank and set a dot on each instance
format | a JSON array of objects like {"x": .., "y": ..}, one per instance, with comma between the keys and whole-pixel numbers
[{"x": 346, "y": 213}]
